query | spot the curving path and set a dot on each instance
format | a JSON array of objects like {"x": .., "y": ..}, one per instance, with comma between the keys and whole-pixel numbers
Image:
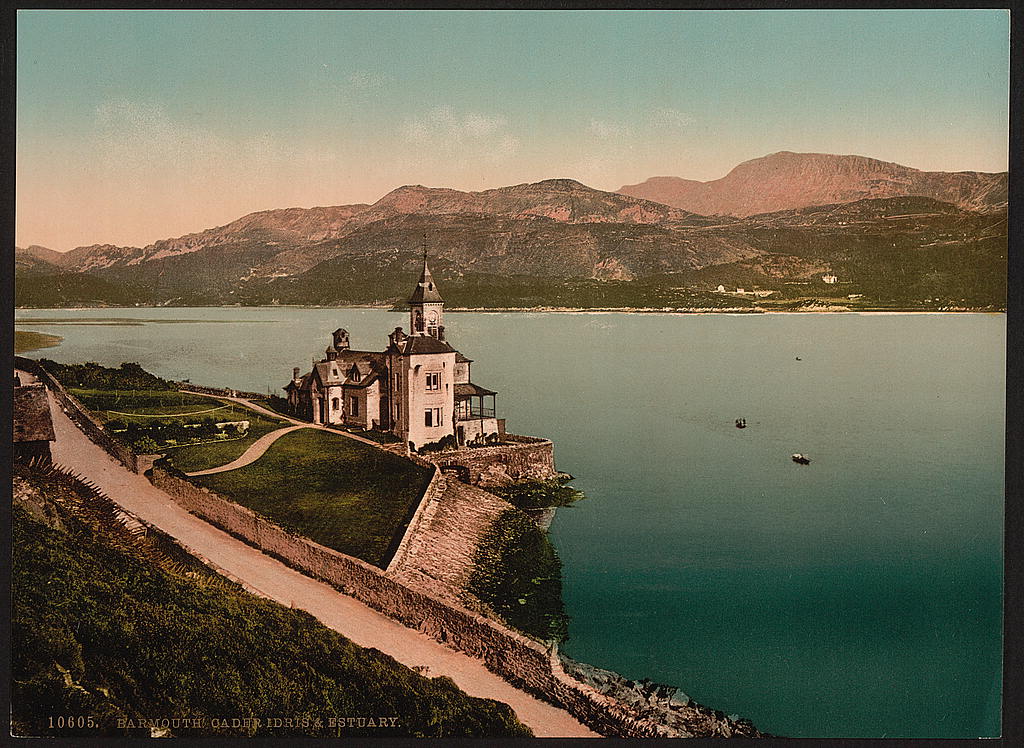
[
  {"x": 269, "y": 577},
  {"x": 275, "y": 414},
  {"x": 253, "y": 453}
]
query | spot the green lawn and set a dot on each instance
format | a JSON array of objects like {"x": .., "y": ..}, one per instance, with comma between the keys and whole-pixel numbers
[
  {"x": 345, "y": 495},
  {"x": 146, "y": 407}
]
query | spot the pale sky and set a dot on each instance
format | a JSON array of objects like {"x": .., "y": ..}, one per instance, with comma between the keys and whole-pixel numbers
[{"x": 134, "y": 126}]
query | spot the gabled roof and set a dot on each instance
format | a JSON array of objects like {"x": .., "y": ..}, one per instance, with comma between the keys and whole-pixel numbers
[
  {"x": 368, "y": 374},
  {"x": 425, "y": 344},
  {"x": 471, "y": 390},
  {"x": 425, "y": 290},
  {"x": 32, "y": 414},
  {"x": 460, "y": 359}
]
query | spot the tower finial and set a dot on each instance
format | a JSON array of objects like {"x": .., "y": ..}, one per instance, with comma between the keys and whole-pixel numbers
[{"x": 424, "y": 247}]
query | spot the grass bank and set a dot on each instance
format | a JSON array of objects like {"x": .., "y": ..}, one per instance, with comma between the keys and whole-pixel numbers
[
  {"x": 345, "y": 495},
  {"x": 107, "y": 627}
]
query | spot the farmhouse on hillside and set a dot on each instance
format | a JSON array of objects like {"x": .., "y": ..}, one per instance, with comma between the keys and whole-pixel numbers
[{"x": 418, "y": 388}]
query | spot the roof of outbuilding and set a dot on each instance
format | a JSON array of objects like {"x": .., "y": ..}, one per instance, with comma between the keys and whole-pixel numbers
[
  {"x": 32, "y": 420},
  {"x": 460, "y": 359}
]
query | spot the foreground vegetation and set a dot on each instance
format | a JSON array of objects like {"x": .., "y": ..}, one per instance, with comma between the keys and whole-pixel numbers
[
  {"x": 110, "y": 626},
  {"x": 518, "y": 575},
  {"x": 348, "y": 496},
  {"x": 25, "y": 341}
]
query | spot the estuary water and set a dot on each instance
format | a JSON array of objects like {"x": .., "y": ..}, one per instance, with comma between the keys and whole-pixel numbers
[{"x": 858, "y": 596}]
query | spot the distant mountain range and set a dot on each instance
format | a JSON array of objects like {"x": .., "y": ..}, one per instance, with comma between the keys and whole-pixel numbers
[
  {"x": 785, "y": 181},
  {"x": 896, "y": 236}
]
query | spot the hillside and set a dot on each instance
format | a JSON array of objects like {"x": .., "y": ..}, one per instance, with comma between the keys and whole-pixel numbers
[
  {"x": 785, "y": 180},
  {"x": 561, "y": 243},
  {"x": 111, "y": 624}
]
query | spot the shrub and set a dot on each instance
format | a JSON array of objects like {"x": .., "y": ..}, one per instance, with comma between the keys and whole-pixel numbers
[
  {"x": 518, "y": 574},
  {"x": 442, "y": 444},
  {"x": 129, "y": 376},
  {"x": 539, "y": 494}
]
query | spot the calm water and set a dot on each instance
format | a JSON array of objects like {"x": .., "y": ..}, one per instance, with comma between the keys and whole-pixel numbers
[{"x": 857, "y": 596}]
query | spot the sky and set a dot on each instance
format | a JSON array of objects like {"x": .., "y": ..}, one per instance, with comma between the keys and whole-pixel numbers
[{"x": 133, "y": 126}]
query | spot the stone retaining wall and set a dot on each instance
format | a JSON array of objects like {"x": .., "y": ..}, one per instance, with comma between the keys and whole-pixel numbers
[
  {"x": 519, "y": 660},
  {"x": 78, "y": 413},
  {"x": 440, "y": 554},
  {"x": 524, "y": 458}
]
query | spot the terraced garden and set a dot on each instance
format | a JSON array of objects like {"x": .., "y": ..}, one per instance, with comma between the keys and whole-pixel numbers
[{"x": 179, "y": 424}]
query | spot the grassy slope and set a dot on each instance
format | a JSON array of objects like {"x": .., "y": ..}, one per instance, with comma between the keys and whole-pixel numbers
[
  {"x": 25, "y": 341},
  {"x": 101, "y": 630},
  {"x": 345, "y": 495}
]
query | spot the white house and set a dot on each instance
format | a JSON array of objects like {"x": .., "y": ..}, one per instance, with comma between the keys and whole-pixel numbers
[{"x": 419, "y": 388}]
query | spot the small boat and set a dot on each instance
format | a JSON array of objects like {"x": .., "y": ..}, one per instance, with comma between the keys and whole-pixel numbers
[
  {"x": 800, "y": 459},
  {"x": 799, "y": 359},
  {"x": 741, "y": 423}
]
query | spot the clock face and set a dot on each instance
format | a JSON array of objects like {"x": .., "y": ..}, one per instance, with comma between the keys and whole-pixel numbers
[{"x": 432, "y": 316}]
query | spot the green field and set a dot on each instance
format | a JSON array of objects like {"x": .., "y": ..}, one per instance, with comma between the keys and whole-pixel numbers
[
  {"x": 25, "y": 341},
  {"x": 348, "y": 496},
  {"x": 108, "y": 626}
]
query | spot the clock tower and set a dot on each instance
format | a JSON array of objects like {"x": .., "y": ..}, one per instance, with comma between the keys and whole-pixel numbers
[{"x": 426, "y": 307}]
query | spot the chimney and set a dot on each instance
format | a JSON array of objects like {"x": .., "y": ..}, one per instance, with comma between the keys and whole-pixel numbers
[
  {"x": 332, "y": 353},
  {"x": 295, "y": 372},
  {"x": 440, "y": 333}
]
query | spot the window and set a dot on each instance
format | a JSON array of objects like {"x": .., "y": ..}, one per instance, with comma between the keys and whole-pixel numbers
[
  {"x": 334, "y": 404},
  {"x": 433, "y": 380},
  {"x": 432, "y": 417},
  {"x": 355, "y": 406}
]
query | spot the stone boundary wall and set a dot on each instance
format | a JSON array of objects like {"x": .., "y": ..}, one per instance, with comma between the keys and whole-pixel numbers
[
  {"x": 78, "y": 413},
  {"x": 222, "y": 391},
  {"x": 519, "y": 660},
  {"x": 527, "y": 457}
]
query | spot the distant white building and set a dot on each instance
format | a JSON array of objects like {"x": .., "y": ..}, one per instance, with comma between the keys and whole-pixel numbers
[
  {"x": 720, "y": 289},
  {"x": 829, "y": 278},
  {"x": 418, "y": 388}
]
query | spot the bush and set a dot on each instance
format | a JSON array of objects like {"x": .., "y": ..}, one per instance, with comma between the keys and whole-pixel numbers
[
  {"x": 442, "y": 444},
  {"x": 539, "y": 494},
  {"x": 145, "y": 446},
  {"x": 518, "y": 574},
  {"x": 129, "y": 376}
]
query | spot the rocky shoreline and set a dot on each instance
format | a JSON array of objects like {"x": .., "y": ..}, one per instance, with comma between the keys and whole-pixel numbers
[{"x": 662, "y": 704}]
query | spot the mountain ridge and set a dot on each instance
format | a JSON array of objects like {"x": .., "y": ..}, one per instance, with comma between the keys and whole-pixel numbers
[
  {"x": 785, "y": 180},
  {"x": 545, "y": 239}
]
